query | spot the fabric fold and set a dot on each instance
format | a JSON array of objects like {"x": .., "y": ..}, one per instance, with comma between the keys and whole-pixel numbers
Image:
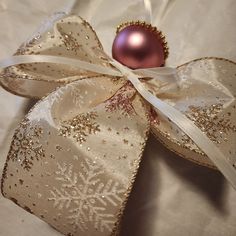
[{"x": 67, "y": 165}]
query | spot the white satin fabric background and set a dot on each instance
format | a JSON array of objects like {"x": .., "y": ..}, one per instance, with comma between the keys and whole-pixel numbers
[{"x": 171, "y": 196}]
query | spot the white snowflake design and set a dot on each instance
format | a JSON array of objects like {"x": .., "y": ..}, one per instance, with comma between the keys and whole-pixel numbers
[
  {"x": 76, "y": 94},
  {"x": 86, "y": 196}
]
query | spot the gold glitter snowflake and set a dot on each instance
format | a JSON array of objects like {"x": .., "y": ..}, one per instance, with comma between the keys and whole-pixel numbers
[
  {"x": 26, "y": 147},
  {"x": 209, "y": 122},
  {"x": 121, "y": 101},
  {"x": 80, "y": 127}
]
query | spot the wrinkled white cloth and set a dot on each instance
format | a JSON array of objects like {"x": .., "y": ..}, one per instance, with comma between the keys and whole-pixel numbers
[{"x": 171, "y": 196}]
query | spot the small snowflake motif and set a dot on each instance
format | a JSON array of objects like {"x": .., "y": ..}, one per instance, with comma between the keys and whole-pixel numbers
[
  {"x": 121, "y": 101},
  {"x": 80, "y": 126},
  {"x": 76, "y": 93},
  {"x": 25, "y": 47},
  {"x": 26, "y": 147},
  {"x": 56, "y": 96},
  {"x": 207, "y": 119},
  {"x": 86, "y": 196},
  {"x": 59, "y": 94}
]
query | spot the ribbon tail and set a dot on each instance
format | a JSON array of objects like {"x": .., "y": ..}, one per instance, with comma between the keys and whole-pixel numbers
[{"x": 190, "y": 129}]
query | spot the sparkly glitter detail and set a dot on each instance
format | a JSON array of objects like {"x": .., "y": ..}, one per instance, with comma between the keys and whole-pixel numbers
[
  {"x": 71, "y": 43},
  {"x": 121, "y": 101},
  {"x": 26, "y": 147},
  {"x": 86, "y": 196},
  {"x": 25, "y": 47},
  {"x": 210, "y": 123},
  {"x": 153, "y": 117},
  {"x": 13, "y": 81},
  {"x": 80, "y": 127}
]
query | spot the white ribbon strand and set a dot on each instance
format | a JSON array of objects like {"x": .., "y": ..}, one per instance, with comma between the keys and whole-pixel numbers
[
  {"x": 148, "y": 10},
  {"x": 186, "y": 125},
  {"x": 24, "y": 59}
]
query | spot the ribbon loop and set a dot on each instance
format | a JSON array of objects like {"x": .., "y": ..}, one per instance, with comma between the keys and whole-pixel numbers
[{"x": 186, "y": 125}]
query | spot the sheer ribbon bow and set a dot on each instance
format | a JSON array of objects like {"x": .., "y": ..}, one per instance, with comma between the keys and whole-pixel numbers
[{"x": 74, "y": 158}]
